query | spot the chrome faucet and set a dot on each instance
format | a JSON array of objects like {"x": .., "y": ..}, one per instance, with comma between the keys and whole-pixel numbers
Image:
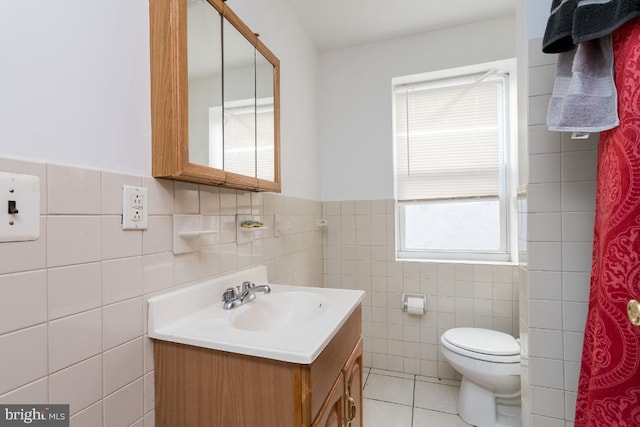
[{"x": 237, "y": 296}]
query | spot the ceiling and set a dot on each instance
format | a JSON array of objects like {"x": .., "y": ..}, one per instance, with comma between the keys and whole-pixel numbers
[{"x": 334, "y": 24}]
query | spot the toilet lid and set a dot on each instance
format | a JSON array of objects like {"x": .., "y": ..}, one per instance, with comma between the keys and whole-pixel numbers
[{"x": 483, "y": 341}]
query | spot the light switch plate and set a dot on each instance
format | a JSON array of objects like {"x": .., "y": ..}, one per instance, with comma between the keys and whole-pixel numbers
[
  {"x": 19, "y": 207},
  {"x": 135, "y": 208}
]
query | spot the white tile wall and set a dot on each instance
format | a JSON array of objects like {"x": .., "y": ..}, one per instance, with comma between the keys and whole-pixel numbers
[
  {"x": 24, "y": 301},
  {"x": 543, "y": 141},
  {"x": 122, "y": 365},
  {"x": 457, "y": 294},
  {"x": 559, "y": 216},
  {"x": 73, "y": 303},
  {"x": 73, "y": 289},
  {"x": 25, "y": 256},
  {"x": 121, "y": 322},
  {"x": 90, "y": 417},
  {"x": 121, "y": 279},
  {"x": 72, "y": 239},
  {"x": 74, "y": 338},
  {"x": 33, "y": 392},
  {"x": 23, "y": 357},
  {"x": 125, "y": 406},
  {"x": 116, "y": 242},
  {"x": 79, "y": 385},
  {"x": 72, "y": 190}
]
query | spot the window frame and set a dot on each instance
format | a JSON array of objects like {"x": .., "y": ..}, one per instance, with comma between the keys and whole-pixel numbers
[{"x": 507, "y": 254}]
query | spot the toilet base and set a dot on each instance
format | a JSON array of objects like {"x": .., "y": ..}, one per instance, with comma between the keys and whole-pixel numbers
[{"x": 477, "y": 406}]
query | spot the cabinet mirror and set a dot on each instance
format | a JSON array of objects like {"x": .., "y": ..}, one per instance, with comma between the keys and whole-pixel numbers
[{"x": 214, "y": 97}]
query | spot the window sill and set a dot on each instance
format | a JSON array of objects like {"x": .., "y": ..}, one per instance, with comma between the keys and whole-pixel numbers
[{"x": 456, "y": 261}]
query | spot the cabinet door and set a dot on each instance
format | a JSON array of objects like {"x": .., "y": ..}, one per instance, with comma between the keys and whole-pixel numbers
[
  {"x": 353, "y": 388},
  {"x": 332, "y": 412}
]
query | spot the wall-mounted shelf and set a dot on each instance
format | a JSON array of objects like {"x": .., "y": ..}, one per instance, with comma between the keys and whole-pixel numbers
[
  {"x": 252, "y": 227},
  {"x": 247, "y": 234},
  {"x": 195, "y": 233},
  {"x": 188, "y": 233}
]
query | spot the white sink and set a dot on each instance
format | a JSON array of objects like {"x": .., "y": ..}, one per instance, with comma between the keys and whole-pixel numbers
[
  {"x": 282, "y": 310},
  {"x": 291, "y": 323}
]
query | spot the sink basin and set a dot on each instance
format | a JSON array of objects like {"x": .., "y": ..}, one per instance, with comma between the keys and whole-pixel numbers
[
  {"x": 290, "y": 324},
  {"x": 268, "y": 312}
]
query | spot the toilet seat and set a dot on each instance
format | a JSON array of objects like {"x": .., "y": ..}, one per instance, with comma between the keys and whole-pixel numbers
[{"x": 482, "y": 344}]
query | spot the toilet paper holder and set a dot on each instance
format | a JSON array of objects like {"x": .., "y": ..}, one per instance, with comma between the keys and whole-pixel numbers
[{"x": 413, "y": 297}]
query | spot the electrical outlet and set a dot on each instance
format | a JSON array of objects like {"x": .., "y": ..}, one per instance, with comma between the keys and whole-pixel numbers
[{"x": 135, "y": 215}]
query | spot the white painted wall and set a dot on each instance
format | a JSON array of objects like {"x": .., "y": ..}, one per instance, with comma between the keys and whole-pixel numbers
[
  {"x": 74, "y": 85},
  {"x": 281, "y": 31},
  {"x": 537, "y": 15},
  {"x": 355, "y": 99}
]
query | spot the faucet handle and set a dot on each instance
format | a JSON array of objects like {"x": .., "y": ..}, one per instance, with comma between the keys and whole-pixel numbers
[
  {"x": 230, "y": 294},
  {"x": 248, "y": 285}
]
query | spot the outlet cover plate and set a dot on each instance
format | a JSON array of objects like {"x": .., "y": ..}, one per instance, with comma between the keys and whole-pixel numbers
[{"x": 135, "y": 208}]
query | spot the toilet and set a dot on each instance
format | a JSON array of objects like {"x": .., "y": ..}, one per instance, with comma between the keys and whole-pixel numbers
[{"x": 489, "y": 362}]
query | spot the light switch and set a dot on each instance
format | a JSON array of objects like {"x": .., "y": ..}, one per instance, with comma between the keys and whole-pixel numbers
[{"x": 19, "y": 207}]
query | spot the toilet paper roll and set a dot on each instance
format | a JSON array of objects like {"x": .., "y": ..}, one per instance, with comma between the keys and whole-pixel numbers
[{"x": 415, "y": 306}]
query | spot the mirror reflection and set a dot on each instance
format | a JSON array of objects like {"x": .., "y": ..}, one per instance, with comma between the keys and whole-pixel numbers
[
  {"x": 265, "y": 119},
  {"x": 204, "y": 58},
  {"x": 231, "y": 103},
  {"x": 239, "y": 86}
]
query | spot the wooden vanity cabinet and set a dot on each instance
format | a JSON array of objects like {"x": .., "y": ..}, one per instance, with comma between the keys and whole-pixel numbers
[
  {"x": 343, "y": 407},
  {"x": 200, "y": 387},
  {"x": 332, "y": 413}
]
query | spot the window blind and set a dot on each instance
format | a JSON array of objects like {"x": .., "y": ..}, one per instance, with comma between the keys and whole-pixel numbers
[
  {"x": 248, "y": 149},
  {"x": 265, "y": 141},
  {"x": 448, "y": 138}
]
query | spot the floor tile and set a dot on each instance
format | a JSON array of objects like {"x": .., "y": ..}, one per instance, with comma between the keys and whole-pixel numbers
[
  {"x": 438, "y": 380},
  {"x": 427, "y": 418},
  {"x": 385, "y": 414},
  {"x": 392, "y": 373},
  {"x": 396, "y": 399},
  {"x": 365, "y": 375},
  {"x": 438, "y": 397},
  {"x": 389, "y": 389}
]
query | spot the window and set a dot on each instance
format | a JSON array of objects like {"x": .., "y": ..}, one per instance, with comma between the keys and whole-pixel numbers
[{"x": 454, "y": 164}]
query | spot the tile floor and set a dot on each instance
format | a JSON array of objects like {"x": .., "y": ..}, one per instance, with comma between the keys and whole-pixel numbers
[{"x": 394, "y": 399}]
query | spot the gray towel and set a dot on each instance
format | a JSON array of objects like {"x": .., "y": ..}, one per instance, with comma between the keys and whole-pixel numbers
[
  {"x": 584, "y": 97},
  {"x": 558, "y": 34},
  {"x": 595, "y": 18},
  {"x": 575, "y": 21}
]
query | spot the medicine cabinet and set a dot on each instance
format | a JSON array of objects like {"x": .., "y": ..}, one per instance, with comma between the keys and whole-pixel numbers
[{"x": 215, "y": 103}]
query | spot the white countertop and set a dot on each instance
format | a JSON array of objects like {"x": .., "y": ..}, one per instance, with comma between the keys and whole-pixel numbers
[{"x": 194, "y": 315}]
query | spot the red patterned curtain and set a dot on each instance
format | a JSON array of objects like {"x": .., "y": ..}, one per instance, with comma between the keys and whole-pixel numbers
[{"x": 609, "y": 384}]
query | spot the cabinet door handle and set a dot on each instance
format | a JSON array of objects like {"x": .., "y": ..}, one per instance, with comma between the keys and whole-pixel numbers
[{"x": 352, "y": 410}]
